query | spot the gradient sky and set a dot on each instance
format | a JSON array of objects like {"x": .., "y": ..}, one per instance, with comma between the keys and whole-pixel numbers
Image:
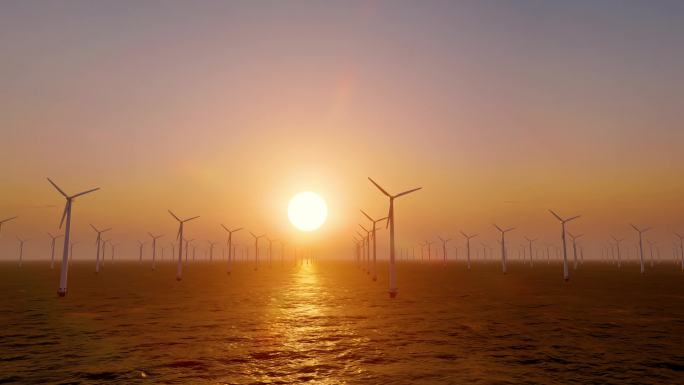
[{"x": 498, "y": 109}]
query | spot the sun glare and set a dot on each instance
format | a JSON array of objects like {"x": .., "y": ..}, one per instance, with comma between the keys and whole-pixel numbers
[{"x": 307, "y": 211}]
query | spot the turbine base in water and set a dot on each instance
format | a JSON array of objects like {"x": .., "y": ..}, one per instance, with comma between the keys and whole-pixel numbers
[
  {"x": 61, "y": 292},
  {"x": 393, "y": 294}
]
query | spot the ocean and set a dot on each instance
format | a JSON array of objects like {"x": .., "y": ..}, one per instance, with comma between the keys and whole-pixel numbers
[{"x": 329, "y": 323}]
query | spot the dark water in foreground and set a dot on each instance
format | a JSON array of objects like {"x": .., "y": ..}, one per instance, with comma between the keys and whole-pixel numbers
[{"x": 329, "y": 323}]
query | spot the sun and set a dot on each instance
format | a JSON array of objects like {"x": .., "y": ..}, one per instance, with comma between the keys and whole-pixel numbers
[{"x": 307, "y": 211}]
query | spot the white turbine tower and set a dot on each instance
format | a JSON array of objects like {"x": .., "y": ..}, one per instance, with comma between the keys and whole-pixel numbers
[
  {"x": 574, "y": 248},
  {"x": 617, "y": 246},
  {"x": 390, "y": 224},
  {"x": 681, "y": 248},
  {"x": 468, "y": 238},
  {"x": 444, "y": 249},
  {"x": 270, "y": 251},
  {"x": 65, "y": 254},
  {"x": 211, "y": 250},
  {"x": 566, "y": 273},
  {"x": 256, "y": 249},
  {"x": 52, "y": 249},
  {"x": 503, "y": 246},
  {"x": 181, "y": 222},
  {"x": 529, "y": 245},
  {"x": 97, "y": 242},
  {"x": 154, "y": 249},
  {"x": 231, "y": 253},
  {"x": 641, "y": 244},
  {"x": 140, "y": 250},
  {"x": 21, "y": 249},
  {"x": 375, "y": 246}
]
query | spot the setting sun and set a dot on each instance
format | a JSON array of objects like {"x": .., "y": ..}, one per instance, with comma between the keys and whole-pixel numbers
[{"x": 307, "y": 211}]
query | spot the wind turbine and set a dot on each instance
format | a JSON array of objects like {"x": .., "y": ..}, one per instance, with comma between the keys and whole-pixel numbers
[
  {"x": 375, "y": 247},
  {"x": 363, "y": 250},
  {"x": 270, "y": 250},
  {"x": 681, "y": 248},
  {"x": 641, "y": 244},
  {"x": 282, "y": 252},
  {"x": 52, "y": 249},
  {"x": 211, "y": 250},
  {"x": 444, "y": 248},
  {"x": 71, "y": 250},
  {"x": 181, "y": 222},
  {"x": 367, "y": 238},
  {"x": 7, "y": 220},
  {"x": 230, "y": 246},
  {"x": 390, "y": 224},
  {"x": 97, "y": 242},
  {"x": 65, "y": 254},
  {"x": 617, "y": 246},
  {"x": 574, "y": 248},
  {"x": 256, "y": 249},
  {"x": 503, "y": 245},
  {"x": 529, "y": 245},
  {"x": 154, "y": 249},
  {"x": 21, "y": 249},
  {"x": 140, "y": 250},
  {"x": 468, "y": 238},
  {"x": 566, "y": 273},
  {"x": 428, "y": 244}
]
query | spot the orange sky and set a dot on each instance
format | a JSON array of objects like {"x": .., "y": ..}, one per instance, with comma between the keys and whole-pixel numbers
[{"x": 227, "y": 110}]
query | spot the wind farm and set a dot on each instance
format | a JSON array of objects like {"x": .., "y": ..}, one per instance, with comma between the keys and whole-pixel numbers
[{"x": 363, "y": 192}]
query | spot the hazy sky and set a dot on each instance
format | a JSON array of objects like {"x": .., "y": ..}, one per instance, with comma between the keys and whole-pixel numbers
[{"x": 226, "y": 109}]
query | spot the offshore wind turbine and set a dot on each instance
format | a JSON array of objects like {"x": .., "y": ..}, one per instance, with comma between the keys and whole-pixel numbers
[
  {"x": 617, "y": 246},
  {"x": 574, "y": 248},
  {"x": 468, "y": 238},
  {"x": 154, "y": 249},
  {"x": 270, "y": 250},
  {"x": 641, "y": 244},
  {"x": 97, "y": 242},
  {"x": 363, "y": 249},
  {"x": 681, "y": 248},
  {"x": 140, "y": 250},
  {"x": 7, "y": 220},
  {"x": 444, "y": 248},
  {"x": 211, "y": 250},
  {"x": 21, "y": 249},
  {"x": 52, "y": 249},
  {"x": 181, "y": 222},
  {"x": 375, "y": 247},
  {"x": 428, "y": 244},
  {"x": 650, "y": 249},
  {"x": 231, "y": 253},
  {"x": 503, "y": 245},
  {"x": 390, "y": 224},
  {"x": 566, "y": 273},
  {"x": 256, "y": 249},
  {"x": 367, "y": 238},
  {"x": 62, "y": 290},
  {"x": 529, "y": 245}
]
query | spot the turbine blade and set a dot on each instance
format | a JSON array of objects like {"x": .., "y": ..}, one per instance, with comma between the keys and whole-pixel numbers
[
  {"x": 94, "y": 228},
  {"x": 66, "y": 207},
  {"x": 572, "y": 218},
  {"x": 105, "y": 230},
  {"x": 150, "y": 234},
  {"x": 407, "y": 192},
  {"x": 498, "y": 228},
  {"x": 646, "y": 229},
  {"x": 367, "y": 216},
  {"x": 238, "y": 229},
  {"x": 189, "y": 219},
  {"x": 379, "y": 188},
  {"x": 174, "y": 215},
  {"x": 85, "y": 192},
  {"x": 225, "y": 228},
  {"x": 8, "y": 219},
  {"x": 464, "y": 234},
  {"x": 364, "y": 227},
  {"x": 556, "y": 215},
  {"x": 57, "y": 187},
  {"x": 509, "y": 229}
]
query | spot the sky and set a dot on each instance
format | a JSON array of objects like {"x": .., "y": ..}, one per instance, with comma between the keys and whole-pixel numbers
[{"x": 500, "y": 110}]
